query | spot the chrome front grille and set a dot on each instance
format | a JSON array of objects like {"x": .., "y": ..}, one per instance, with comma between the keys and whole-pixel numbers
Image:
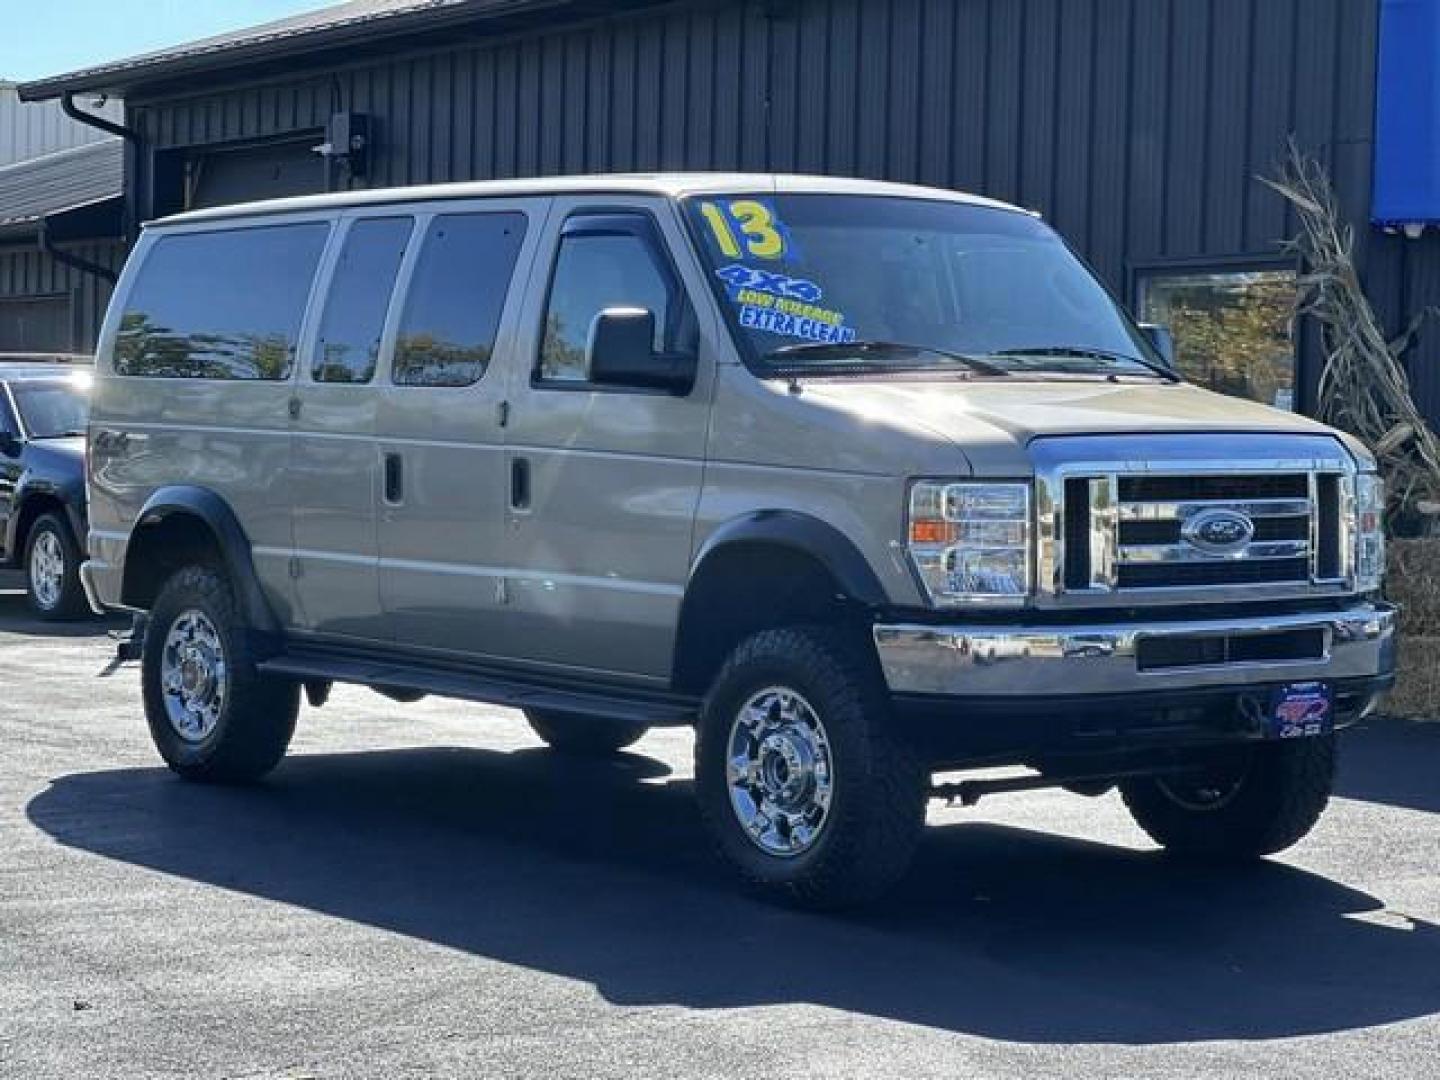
[
  {"x": 1154, "y": 512},
  {"x": 1164, "y": 521}
]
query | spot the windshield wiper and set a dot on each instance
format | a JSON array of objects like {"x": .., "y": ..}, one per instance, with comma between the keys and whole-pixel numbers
[
  {"x": 1086, "y": 353},
  {"x": 62, "y": 434},
  {"x": 822, "y": 349}
]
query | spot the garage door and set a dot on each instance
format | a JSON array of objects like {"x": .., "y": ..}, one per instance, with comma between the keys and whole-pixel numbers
[
  {"x": 248, "y": 173},
  {"x": 35, "y": 324}
]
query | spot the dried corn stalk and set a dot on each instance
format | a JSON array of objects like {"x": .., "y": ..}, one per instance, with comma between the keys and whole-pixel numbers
[{"x": 1363, "y": 388}]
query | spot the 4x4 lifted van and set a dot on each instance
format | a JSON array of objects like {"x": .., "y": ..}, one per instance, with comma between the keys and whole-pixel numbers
[{"x": 865, "y": 481}]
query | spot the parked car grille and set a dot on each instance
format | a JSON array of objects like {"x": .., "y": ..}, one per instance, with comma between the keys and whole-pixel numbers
[
  {"x": 1157, "y": 531},
  {"x": 1149, "y": 520},
  {"x": 1223, "y": 487},
  {"x": 1162, "y": 576}
]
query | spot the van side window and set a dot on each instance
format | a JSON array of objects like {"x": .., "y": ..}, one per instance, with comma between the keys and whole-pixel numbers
[
  {"x": 594, "y": 271},
  {"x": 220, "y": 305},
  {"x": 359, "y": 297},
  {"x": 456, "y": 294}
]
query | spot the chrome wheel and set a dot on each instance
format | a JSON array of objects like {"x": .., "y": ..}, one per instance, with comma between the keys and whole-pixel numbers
[
  {"x": 47, "y": 569},
  {"x": 779, "y": 771},
  {"x": 193, "y": 676}
]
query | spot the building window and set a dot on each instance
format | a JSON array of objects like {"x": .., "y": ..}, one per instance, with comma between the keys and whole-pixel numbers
[{"x": 1234, "y": 332}]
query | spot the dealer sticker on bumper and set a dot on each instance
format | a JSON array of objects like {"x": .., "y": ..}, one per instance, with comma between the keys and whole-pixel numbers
[{"x": 1301, "y": 709}]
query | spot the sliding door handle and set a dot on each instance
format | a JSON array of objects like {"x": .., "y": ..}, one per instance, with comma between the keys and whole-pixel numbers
[
  {"x": 519, "y": 484},
  {"x": 394, "y": 480}
]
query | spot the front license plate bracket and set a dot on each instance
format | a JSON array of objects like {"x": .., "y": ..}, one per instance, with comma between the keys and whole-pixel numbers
[{"x": 1300, "y": 710}]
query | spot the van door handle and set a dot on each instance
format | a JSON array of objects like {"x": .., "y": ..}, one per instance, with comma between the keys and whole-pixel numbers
[
  {"x": 394, "y": 480},
  {"x": 520, "y": 484}
]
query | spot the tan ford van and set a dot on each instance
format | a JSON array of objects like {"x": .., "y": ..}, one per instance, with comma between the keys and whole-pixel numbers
[{"x": 864, "y": 481}]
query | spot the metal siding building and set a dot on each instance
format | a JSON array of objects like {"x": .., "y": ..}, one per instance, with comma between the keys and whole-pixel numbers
[
  {"x": 68, "y": 305},
  {"x": 52, "y": 167},
  {"x": 1138, "y": 127},
  {"x": 30, "y": 130}
]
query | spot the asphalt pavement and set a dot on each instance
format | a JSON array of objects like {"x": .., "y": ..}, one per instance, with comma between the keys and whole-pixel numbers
[{"x": 424, "y": 890}]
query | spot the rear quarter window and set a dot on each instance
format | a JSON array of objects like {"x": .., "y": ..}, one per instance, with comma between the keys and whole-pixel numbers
[{"x": 220, "y": 305}]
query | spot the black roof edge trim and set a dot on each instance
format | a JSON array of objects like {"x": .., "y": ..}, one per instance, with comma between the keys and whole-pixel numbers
[{"x": 122, "y": 75}]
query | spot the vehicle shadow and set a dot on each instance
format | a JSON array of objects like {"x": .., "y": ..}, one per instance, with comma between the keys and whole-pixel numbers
[
  {"x": 1392, "y": 761},
  {"x": 601, "y": 872},
  {"x": 17, "y": 618}
]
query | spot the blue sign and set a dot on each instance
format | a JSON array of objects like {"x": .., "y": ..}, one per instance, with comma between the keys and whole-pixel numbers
[{"x": 1407, "y": 114}]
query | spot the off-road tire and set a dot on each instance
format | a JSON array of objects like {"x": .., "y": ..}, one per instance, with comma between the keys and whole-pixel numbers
[
  {"x": 258, "y": 712},
  {"x": 71, "y": 602},
  {"x": 877, "y": 809},
  {"x": 583, "y": 736},
  {"x": 1282, "y": 794}
]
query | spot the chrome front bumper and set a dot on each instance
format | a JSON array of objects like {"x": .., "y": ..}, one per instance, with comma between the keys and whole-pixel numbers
[
  {"x": 87, "y": 583},
  {"x": 1025, "y": 661}
]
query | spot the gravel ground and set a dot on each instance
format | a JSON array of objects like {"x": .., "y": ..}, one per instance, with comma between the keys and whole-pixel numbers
[{"x": 424, "y": 891}]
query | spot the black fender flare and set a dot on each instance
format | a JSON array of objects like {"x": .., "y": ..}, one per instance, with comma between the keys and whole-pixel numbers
[
  {"x": 807, "y": 535},
  {"x": 234, "y": 546},
  {"x": 30, "y": 485},
  {"x": 856, "y": 586},
  {"x": 71, "y": 496}
]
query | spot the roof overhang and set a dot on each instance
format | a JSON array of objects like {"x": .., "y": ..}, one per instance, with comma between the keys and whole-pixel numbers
[
  {"x": 74, "y": 194},
  {"x": 347, "y": 31},
  {"x": 98, "y": 220}
]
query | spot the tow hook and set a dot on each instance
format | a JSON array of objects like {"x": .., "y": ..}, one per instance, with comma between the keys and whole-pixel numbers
[{"x": 1251, "y": 713}]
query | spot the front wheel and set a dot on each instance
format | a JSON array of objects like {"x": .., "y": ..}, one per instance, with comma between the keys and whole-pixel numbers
[
  {"x": 1240, "y": 803},
  {"x": 52, "y": 570},
  {"x": 212, "y": 715},
  {"x": 800, "y": 778}
]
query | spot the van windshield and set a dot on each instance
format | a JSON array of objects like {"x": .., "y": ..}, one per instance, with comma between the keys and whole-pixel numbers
[{"x": 835, "y": 284}]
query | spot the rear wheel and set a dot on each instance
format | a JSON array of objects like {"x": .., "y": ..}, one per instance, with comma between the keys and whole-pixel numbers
[
  {"x": 1241, "y": 803},
  {"x": 799, "y": 775},
  {"x": 584, "y": 736},
  {"x": 212, "y": 715},
  {"x": 52, "y": 570}
]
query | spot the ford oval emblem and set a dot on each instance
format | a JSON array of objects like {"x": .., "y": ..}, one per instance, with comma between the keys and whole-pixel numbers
[{"x": 1219, "y": 532}]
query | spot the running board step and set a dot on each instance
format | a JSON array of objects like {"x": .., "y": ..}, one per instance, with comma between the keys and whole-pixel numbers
[{"x": 654, "y": 709}]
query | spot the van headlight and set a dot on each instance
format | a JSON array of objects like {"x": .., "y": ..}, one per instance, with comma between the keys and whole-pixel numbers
[
  {"x": 1369, "y": 532},
  {"x": 970, "y": 542}
]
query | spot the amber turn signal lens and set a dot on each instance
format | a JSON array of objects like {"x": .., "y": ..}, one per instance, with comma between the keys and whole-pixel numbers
[{"x": 931, "y": 532}]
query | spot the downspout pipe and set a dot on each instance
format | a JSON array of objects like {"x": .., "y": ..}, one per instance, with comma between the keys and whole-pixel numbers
[
  {"x": 89, "y": 119},
  {"x": 134, "y": 155},
  {"x": 75, "y": 262}
]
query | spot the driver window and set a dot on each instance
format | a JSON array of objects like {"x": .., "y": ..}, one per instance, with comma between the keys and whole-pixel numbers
[{"x": 594, "y": 271}]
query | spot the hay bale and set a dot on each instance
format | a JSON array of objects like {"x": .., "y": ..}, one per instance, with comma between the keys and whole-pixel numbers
[
  {"x": 1413, "y": 581},
  {"x": 1417, "y": 682}
]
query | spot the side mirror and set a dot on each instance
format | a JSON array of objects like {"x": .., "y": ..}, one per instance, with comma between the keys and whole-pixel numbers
[
  {"x": 622, "y": 353},
  {"x": 1163, "y": 341},
  {"x": 9, "y": 444}
]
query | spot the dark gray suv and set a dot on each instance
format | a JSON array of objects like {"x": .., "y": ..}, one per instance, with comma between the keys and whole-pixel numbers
[{"x": 43, "y": 412}]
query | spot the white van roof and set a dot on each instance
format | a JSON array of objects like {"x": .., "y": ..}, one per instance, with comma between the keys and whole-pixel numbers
[{"x": 669, "y": 185}]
